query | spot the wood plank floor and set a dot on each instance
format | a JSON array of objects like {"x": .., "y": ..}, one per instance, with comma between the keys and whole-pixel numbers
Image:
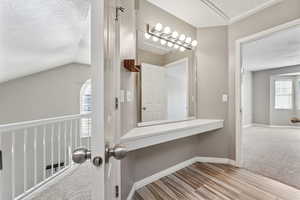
[{"x": 206, "y": 181}]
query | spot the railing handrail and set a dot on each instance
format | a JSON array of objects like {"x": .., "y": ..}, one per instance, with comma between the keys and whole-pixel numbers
[{"x": 40, "y": 122}]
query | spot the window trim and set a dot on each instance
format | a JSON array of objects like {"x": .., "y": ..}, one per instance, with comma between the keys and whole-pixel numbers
[{"x": 292, "y": 94}]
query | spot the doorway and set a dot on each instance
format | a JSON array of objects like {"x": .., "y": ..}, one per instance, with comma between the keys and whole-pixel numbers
[{"x": 267, "y": 91}]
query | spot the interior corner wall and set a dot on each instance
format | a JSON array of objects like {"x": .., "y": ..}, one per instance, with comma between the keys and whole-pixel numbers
[
  {"x": 247, "y": 98},
  {"x": 280, "y": 13},
  {"x": 212, "y": 66},
  {"x": 46, "y": 94}
]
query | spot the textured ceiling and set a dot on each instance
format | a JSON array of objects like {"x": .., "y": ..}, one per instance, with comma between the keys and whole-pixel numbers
[
  {"x": 36, "y": 35},
  {"x": 280, "y": 49}
]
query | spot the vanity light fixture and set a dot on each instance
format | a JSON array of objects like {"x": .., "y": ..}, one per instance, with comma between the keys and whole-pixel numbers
[
  {"x": 182, "y": 37},
  {"x": 188, "y": 40},
  {"x": 175, "y": 35},
  {"x": 194, "y": 43},
  {"x": 170, "y": 44},
  {"x": 147, "y": 36},
  {"x": 172, "y": 39},
  {"x": 158, "y": 27},
  {"x": 163, "y": 42},
  {"x": 167, "y": 30},
  {"x": 155, "y": 39}
]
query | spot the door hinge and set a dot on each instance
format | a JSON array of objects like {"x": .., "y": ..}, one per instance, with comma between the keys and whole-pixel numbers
[
  {"x": 116, "y": 103},
  {"x": 117, "y": 191},
  {"x": 1, "y": 164},
  {"x": 119, "y": 9}
]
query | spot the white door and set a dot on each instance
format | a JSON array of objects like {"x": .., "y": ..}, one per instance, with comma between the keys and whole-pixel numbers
[
  {"x": 47, "y": 158},
  {"x": 154, "y": 95}
]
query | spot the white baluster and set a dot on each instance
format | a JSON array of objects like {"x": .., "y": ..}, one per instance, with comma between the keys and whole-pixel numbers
[
  {"x": 35, "y": 154},
  {"x": 25, "y": 159},
  {"x": 79, "y": 130},
  {"x": 71, "y": 136},
  {"x": 52, "y": 149},
  {"x": 76, "y": 132},
  {"x": 65, "y": 147},
  {"x": 13, "y": 168},
  {"x": 44, "y": 153},
  {"x": 58, "y": 144},
  {"x": 89, "y": 132},
  {"x": 1, "y": 171}
]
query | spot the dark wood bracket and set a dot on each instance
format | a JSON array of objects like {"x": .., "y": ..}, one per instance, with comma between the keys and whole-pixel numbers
[{"x": 130, "y": 65}]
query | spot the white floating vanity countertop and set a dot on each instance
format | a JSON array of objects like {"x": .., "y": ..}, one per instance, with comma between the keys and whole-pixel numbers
[{"x": 141, "y": 137}]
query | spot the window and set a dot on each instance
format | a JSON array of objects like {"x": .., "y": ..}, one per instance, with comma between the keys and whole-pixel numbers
[
  {"x": 85, "y": 107},
  {"x": 283, "y": 94}
]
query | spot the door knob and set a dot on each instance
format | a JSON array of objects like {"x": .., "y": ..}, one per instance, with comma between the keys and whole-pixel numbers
[
  {"x": 118, "y": 152},
  {"x": 81, "y": 154}
]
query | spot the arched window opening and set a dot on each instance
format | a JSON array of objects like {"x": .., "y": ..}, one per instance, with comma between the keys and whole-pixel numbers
[{"x": 85, "y": 108}]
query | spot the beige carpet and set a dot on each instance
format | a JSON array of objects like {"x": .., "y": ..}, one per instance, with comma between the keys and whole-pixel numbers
[{"x": 273, "y": 152}]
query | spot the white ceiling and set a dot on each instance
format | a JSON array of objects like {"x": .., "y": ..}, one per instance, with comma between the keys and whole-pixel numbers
[
  {"x": 205, "y": 13},
  {"x": 39, "y": 35},
  {"x": 280, "y": 49}
]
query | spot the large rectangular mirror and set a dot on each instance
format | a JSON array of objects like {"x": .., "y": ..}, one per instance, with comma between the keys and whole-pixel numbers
[{"x": 166, "y": 55}]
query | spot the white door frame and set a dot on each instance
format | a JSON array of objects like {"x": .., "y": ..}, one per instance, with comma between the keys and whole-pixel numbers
[
  {"x": 97, "y": 61},
  {"x": 238, "y": 64}
]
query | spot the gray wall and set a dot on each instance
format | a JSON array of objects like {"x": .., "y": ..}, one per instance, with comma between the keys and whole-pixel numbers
[
  {"x": 212, "y": 83},
  {"x": 42, "y": 95},
  {"x": 278, "y": 14},
  {"x": 261, "y": 94}
]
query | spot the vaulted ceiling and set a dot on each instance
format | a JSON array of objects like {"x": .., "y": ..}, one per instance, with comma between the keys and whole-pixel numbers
[{"x": 37, "y": 35}]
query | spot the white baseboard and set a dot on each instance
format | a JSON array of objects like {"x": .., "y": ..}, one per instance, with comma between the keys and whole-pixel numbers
[
  {"x": 139, "y": 184},
  {"x": 248, "y": 125},
  {"x": 275, "y": 126}
]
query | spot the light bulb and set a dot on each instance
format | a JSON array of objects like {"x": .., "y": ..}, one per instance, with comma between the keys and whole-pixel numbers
[
  {"x": 163, "y": 42},
  {"x": 170, "y": 44},
  {"x": 188, "y": 40},
  {"x": 175, "y": 34},
  {"x": 167, "y": 30},
  {"x": 182, "y": 37},
  {"x": 182, "y": 49},
  {"x": 176, "y": 46},
  {"x": 155, "y": 39},
  {"x": 158, "y": 27},
  {"x": 194, "y": 43},
  {"x": 147, "y": 36}
]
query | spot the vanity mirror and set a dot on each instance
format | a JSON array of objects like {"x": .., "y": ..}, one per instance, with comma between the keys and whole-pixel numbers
[{"x": 166, "y": 56}]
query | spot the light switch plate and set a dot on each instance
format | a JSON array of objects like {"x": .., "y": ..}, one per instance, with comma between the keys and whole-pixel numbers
[
  {"x": 128, "y": 96},
  {"x": 122, "y": 96},
  {"x": 224, "y": 97}
]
